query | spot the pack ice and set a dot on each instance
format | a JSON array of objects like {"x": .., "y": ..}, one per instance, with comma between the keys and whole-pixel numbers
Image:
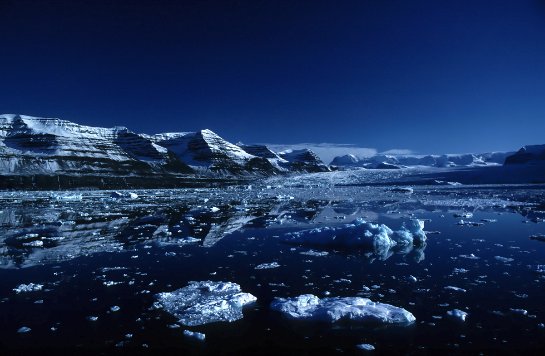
[
  {"x": 205, "y": 302},
  {"x": 361, "y": 234},
  {"x": 310, "y": 307}
]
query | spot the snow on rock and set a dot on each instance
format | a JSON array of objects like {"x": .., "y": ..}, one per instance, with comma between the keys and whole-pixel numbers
[
  {"x": 458, "y": 314},
  {"x": 310, "y": 307},
  {"x": 25, "y": 288},
  {"x": 361, "y": 234},
  {"x": 205, "y": 302}
]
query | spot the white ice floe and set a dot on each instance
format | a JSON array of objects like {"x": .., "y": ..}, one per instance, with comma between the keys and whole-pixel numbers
[
  {"x": 456, "y": 289},
  {"x": 310, "y": 307},
  {"x": 504, "y": 259},
  {"x": 361, "y": 234},
  {"x": 120, "y": 195},
  {"x": 267, "y": 265},
  {"x": 205, "y": 302},
  {"x": 25, "y": 288},
  {"x": 24, "y": 329},
  {"x": 67, "y": 197},
  {"x": 366, "y": 347},
  {"x": 195, "y": 335},
  {"x": 458, "y": 314}
]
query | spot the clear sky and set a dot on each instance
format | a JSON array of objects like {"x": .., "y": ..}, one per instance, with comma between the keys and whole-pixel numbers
[{"x": 430, "y": 76}]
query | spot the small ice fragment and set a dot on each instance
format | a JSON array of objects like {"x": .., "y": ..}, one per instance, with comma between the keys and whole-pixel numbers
[
  {"x": 92, "y": 318},
  {"x": 24, "y": 329},
  {"x": 458, "y": 314},
  {"x": 519, "y": 311},
  {"x": 267, "y": 265},
  {"x": 118, "y": 195},
  {"x": 538, "y": 237},
  {"x": 195, "y": 335},
  {"x": 35, "y": 243},
  {"x": 412, "y": 278},
  {"x": 366, "y": 347},
  {"x": 25, "y": 288},
  {"x": 115, "y": 308},
  {"x": 214, "y": 209},
  {"x": 504, "y": 259},
  {"x": 205, "y": 302},
  {"x": 464, "y": 215},
  {"x": 469, "y": 257},
  {"x": 310, "y": 307},
  {"x": 314, "y": 253},
  {"x": 457, "y": 289}
]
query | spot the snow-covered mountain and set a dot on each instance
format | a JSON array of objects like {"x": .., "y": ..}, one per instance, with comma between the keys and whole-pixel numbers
[
  {"x": 31, "y": 146},
  {"x": 303, "y": 160},
  {"x": 205, "y": 150},
  {"x": 399, "y": 161},
  {"x": 531, "y": 154}
]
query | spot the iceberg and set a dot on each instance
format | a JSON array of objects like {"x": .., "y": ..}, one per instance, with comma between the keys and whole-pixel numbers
[
  {"x": 195, "y": 335},
  {"x": 205, "y": 302},
  {"x": 361, "y": 234},
  {"x": 356, "y": 309}
]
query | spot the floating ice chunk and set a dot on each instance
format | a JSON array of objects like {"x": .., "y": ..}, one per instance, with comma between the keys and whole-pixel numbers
[
  {"x": 25, "y": 288},
  {"x": 361, "y": 234},
  {"x": 464, "y": 215},
  {"x": 366, "y": 347},
  {"x": 412, "y": 232},
  {"x": 214, "y": 209},
  {"x": 119, "y": 195},
  {"x": 458, "y": 314},
  {"x": 469, "y": 257},
  {"x": 24, "y": 329},
  {"x": 92, "y": 318},
  {"x": 310, "y": 307},
  {"x": 456, "y": 289},
  {"x": 115, "y": 308},
  {"x": 519, "y": 311},
  {"x": 267, "y": 265},
  {"x": 538, "y": 237},
  {"x": 205, "y": 302},
  {"x": 64, "y": 197},
  {"x": 314, "y": 253},
  {"x": 36, "y": 243},
  {"x": 504, "y": 259},
  {"x": 195, "y": 335}
]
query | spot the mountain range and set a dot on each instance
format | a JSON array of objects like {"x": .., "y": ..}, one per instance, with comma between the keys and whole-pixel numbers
[
  {"x": 45, "y": 147},
  {"x": 40, "y": 152}
]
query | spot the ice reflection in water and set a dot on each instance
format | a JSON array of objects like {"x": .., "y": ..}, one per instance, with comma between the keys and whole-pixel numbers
[{"x": 117, "y": 253}]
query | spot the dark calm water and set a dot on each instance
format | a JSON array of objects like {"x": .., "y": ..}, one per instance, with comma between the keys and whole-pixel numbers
[{"x": 99, "y": 252}]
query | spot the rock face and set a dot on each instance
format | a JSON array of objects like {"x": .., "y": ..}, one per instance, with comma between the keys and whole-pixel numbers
[
  {"x": 46, "y": 148},
  {"x": 527, "y": 154}
]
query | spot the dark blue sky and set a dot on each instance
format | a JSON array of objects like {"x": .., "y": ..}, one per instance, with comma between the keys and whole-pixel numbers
[{"x": 432, "y": 76}]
